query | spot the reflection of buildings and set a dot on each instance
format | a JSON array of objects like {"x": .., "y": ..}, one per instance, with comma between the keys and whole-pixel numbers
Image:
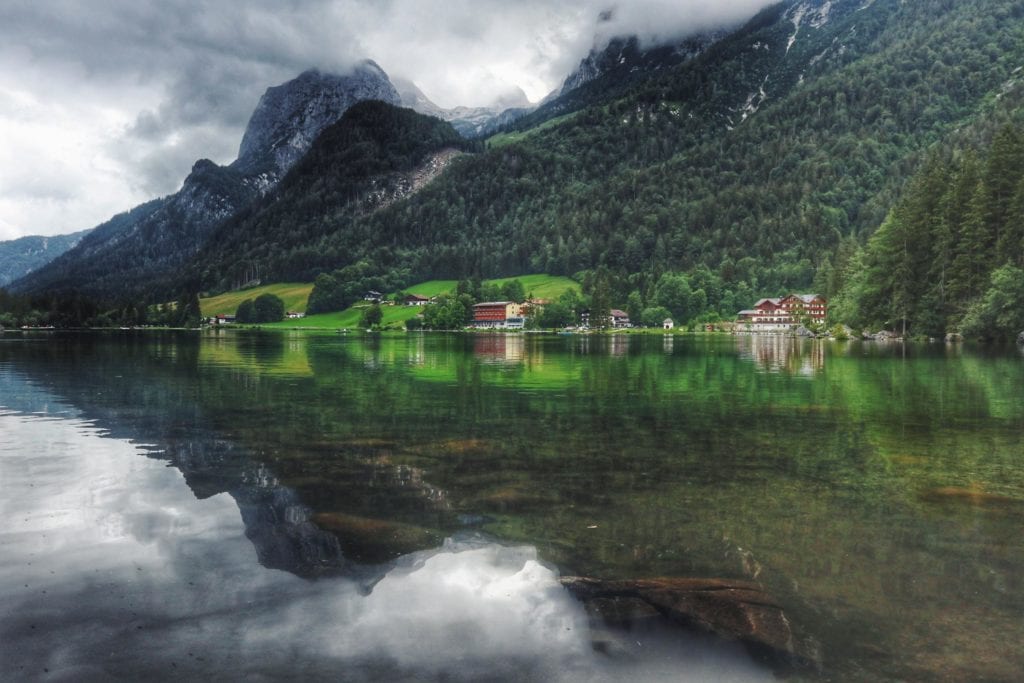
[
  {"x": 499, "y": 348},
  {"x": 777, "y": 353},
  {"x": 415, "y": 346},
  {"x": 618, "y": 345},
  {"x": 785, "y": 313}
]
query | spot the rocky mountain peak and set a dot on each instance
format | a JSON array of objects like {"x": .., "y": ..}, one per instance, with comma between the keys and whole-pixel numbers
[{"x": 290, "y": 116}]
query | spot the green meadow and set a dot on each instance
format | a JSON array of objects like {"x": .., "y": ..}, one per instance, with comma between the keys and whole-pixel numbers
[{"x": 295, "y": 296}]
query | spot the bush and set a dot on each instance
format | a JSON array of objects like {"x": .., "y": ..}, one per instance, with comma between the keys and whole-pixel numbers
[
  {"x": 245, "y": 313},
  {"x": 268, "y": 309}
]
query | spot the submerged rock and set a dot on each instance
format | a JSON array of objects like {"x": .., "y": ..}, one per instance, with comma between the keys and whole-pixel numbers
[
  {"x": 732, "y": 609},
  {"x": 972, "y": 495}
]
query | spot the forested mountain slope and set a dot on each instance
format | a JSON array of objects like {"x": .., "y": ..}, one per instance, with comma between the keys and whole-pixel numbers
[
  {"x": 750, "y": 162},
  {"x": 23, "y": 255},
  {"x": 950, "y": 256},
  {"x": 374, "y": 156}
]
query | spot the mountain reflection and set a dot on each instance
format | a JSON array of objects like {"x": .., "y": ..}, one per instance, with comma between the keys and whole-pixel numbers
[{"x": 108, "y": 556}]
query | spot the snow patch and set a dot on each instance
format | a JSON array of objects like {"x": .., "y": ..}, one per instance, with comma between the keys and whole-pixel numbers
[{"x": 754, "y": 101}]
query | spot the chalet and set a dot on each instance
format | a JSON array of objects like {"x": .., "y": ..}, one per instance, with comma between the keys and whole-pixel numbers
[
  {"x": 294, "y": 315},
  {"x": 373, "y": 296},
  {"x": 498, "y": 315},
  {"x": 416, "y": 300},
  {"x": 784, "y": 313},
  {"x": 616, "y": 318},
  {"x": 225, "y": 319}
]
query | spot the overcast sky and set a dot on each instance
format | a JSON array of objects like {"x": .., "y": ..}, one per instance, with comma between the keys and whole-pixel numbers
[{"x": 107, "y": 103}]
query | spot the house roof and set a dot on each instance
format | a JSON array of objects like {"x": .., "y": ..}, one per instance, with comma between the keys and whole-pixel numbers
[
  {"x": 616, "y": 313},
  {"x": 749, "y": 312},
  {"x": 808, "y": 298},
  {"x": 666, "y": 320},
  {"x": 775, "y": 301},
  {"x": 417, "y": 297},
  {"x": 492, "y": 303}
]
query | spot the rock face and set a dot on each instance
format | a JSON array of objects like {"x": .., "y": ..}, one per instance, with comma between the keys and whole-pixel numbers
[
  {"x": 802, "y": 331},
  {"x": 1020, "y": 338},
  {"x": 735, "y": 610},
  {"x": 145, "y": 249},
  {"x": 290, "y": 116}
]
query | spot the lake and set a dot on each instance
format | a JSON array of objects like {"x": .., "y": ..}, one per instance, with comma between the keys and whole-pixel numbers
[{"x": 243, "y": 505}]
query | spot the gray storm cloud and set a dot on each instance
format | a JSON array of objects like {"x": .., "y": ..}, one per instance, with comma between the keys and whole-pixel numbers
[{"x": 109, "y": 102}]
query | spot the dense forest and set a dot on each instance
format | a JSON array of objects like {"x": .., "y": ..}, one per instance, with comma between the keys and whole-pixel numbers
[
  {"x": 950, "y": 254},
  {"x": 746, "y": 166}
]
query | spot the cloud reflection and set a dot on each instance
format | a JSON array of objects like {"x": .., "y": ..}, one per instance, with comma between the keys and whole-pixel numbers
[{"x": 112, "y": 568}]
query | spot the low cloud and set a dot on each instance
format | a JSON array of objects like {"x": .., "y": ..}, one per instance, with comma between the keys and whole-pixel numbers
[{"x": 113, "y": 100}]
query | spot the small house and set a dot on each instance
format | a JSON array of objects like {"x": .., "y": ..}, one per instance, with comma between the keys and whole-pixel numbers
[
  {"x": 667, "y": 324},
  {"x": 294, "y": 315},
  {"x": 373, "y": 296},
  {"x": 416, "y": 300}
]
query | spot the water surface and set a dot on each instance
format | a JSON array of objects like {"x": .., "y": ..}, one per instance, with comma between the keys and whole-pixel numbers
[{"x": 240, "y": 505}]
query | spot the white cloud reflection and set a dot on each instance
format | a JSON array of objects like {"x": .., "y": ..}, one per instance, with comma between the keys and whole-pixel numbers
[{"x": 110, "y": 567}]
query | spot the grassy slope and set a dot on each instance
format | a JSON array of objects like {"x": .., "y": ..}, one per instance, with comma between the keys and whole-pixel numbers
[
  {"x": 540, "y": 286},
  {"x": 294, "y": 295},
  {"x": 503, "y": 139}
]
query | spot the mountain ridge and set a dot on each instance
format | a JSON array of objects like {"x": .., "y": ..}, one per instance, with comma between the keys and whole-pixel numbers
[
  {"x": 139, "y": 253},
  {"x": 21, "y": 256}
]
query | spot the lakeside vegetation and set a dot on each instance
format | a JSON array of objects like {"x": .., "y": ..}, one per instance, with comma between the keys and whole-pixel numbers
[{"x": 949, "y": 256}]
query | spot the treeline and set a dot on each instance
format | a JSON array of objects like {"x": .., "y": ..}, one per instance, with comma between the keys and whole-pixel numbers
[
  {"x": 949, "y": 256},
  {"x": 78, "y": 311}
]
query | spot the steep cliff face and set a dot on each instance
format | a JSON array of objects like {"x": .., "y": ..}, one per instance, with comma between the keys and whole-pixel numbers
[
  {"x": 143, "y": 250},
  {"x": 290, "y": 116}
]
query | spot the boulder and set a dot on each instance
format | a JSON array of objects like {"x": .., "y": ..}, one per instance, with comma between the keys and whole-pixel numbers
[
  {"x": 1020, "y": 338},
  {"x": 954, "y": 337},
  {"x": 885, "y": 335},
  {"x": 804, "y": 332},
  {"x": 732, "y": 609}
]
